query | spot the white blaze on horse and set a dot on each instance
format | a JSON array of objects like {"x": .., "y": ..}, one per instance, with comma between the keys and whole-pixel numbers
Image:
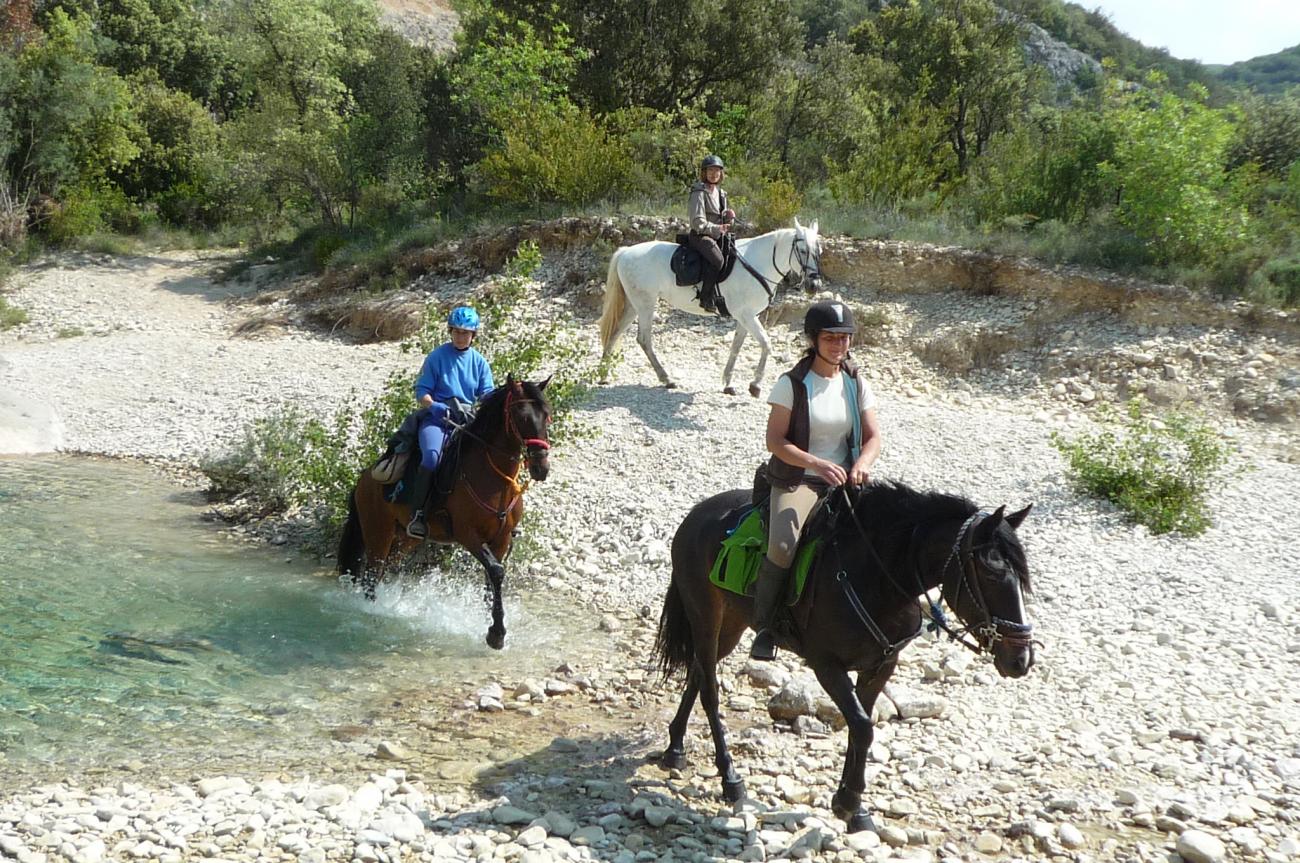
[{"x": 640, "y": 275}]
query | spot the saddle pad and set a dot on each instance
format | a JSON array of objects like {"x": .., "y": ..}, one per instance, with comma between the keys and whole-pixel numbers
[{"x": 742, "y": 551}]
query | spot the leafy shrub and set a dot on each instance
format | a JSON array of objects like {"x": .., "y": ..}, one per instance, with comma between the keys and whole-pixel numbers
[
  {"x": 11, "y": 316},
  {"x": 1158, "y": 472},
  {"x": 768, "y": 202},
  {"x": 555, "y": 153}
]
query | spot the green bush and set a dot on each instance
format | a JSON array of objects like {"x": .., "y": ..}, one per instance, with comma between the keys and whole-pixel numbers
[
  {"x": 1159, "y": 472},
  {"x": 11, "y": 316}
]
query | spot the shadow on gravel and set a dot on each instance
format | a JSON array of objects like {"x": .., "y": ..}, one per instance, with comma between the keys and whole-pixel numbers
[
  {"x": 656, "y": 407},
  {"x": 599, "y": 775}
]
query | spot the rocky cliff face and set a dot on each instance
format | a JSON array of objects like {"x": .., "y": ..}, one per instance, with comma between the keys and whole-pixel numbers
[{"x": 1061, "y": 61}]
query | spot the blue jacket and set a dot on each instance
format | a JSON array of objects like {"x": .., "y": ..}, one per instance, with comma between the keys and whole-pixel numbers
[{"x": 448, "y": 373}]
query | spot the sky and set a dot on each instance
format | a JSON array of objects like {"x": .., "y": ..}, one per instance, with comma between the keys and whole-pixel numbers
[{"x": 1212, "y": 31}]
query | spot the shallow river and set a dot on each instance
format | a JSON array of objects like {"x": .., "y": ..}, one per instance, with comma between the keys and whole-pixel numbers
[{"x": 130, "y": 629}]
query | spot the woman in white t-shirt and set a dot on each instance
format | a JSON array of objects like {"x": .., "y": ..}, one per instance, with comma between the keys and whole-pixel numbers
[{"x": 821, "y": 432}]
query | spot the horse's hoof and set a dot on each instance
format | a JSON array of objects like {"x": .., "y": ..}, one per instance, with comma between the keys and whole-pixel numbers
[
  {"x": 860, "y": 821},
  {"x": 733, "y": 791},
  {"x": 496, "y": 638},
  {"x": 730, "y": 391},
  {"x": 754, "y": 390},
  {"x": 669, "y": 385},
  {"x": 673, "y": 759}
]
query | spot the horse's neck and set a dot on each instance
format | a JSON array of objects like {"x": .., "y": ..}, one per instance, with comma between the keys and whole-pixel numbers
[
  {"x": 935, "y": 554},
  {"x": 763, "y": 253}
]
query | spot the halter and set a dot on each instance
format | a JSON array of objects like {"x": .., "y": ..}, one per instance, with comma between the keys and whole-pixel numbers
[{"x": 989, "y": 630}]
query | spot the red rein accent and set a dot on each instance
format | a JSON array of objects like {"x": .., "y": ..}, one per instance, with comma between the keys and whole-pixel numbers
[{"x": 532, "y": 442}]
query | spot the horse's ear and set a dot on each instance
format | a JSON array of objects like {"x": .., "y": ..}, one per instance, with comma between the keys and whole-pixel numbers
[
  {"x": 989, "y": 525},
  {"x": 510, "y": 379},
  {"x": 1017, "y": 517},
  {"x": 797, "y": 226},
  {"x": 541, "y": 385}
]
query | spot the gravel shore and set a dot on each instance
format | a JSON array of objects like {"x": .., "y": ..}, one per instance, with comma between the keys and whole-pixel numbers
[{"x": 1161, "y": 721}]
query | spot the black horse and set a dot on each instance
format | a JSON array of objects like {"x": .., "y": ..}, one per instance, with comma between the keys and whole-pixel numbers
[{"x": 885, "y": 546}]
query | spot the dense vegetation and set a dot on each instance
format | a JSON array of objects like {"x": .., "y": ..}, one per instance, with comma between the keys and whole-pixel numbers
[
  {"x": 1271, "y": 74},
  {"x": 278, "y": 119}
]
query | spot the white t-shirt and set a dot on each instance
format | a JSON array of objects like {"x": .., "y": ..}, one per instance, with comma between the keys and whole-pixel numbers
[{"x": 830, "y": 423}]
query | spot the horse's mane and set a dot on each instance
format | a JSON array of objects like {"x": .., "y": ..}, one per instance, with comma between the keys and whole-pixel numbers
[
  {"x": 892, "y": 509},
  {"x": 490, "y": 418}
]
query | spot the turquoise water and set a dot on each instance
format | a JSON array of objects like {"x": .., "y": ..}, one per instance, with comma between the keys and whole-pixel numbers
[{"x": 131, "y": 629}]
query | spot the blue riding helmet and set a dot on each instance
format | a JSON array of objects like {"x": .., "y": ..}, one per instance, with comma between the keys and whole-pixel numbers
[{"x": 463, "y": 318}]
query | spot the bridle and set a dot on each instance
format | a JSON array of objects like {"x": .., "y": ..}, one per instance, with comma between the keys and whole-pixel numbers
[
  {"x": 527, "y": 449},
  {"x": 801, "y": 251},
  {"x": 808, "y": 264},
  {"x": 988, "y": 630}
]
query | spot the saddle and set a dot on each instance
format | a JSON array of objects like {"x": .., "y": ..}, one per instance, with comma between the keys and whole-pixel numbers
[
  {"x": 396, "y": 470},
  {"x": 688, "y": 266}
]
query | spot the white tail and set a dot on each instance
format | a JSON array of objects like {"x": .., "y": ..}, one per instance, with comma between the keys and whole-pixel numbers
[{"x": 615, "y": 305}]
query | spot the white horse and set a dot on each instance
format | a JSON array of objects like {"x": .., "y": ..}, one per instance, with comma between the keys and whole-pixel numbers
[{"x": 640, "y": 275}]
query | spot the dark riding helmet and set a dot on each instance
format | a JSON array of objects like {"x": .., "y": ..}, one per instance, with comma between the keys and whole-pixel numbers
[
  {"x": 712, "y": 161},
  {"x": 828, "y": 317}
]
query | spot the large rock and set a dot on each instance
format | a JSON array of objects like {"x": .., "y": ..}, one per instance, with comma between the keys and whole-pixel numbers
[
  {"x": 801, "y": 696},
  {"x": 28, "y": 426}
]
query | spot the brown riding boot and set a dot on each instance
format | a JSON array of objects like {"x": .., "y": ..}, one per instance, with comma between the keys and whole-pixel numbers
[{"x": 768, "y": 594}]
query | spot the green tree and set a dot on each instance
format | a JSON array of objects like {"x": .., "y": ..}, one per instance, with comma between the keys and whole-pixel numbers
[
  {"x": 1269, "y": 134},
  {"x": 962, "y": 57},
  {"x": 288, "y": 142},
  {"x": 1168, "y": 165},
  {"x": 65, "y": 121},
  {"x": 665, "y": 53}
]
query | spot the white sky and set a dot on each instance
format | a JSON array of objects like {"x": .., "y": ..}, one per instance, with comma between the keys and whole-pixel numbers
[{"x": 1212, "y": 31}]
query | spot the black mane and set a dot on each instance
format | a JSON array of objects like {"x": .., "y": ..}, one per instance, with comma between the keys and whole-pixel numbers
[
  {"x": 890, "y": 510},
  {"x": 490, "y": 418}
]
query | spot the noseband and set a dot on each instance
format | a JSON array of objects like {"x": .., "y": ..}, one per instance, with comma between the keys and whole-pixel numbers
[{"x": 807, "y": 266}]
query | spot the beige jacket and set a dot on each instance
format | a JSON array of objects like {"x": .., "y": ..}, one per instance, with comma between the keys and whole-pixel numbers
[{"x": 705, "y": 214}]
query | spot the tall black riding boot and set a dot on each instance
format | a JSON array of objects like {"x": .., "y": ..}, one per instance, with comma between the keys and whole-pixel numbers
[
  {"x": 423, "y": 485},
  {"x": 768, "y": 594},
  {"x": 709, "y": 294}
]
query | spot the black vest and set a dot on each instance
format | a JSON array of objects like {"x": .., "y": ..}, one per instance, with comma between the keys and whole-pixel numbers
[{"x": 788, "y": 475}]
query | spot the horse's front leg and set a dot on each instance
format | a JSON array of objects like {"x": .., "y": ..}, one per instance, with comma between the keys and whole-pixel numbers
[
  {"x": 765, "y": 344},
  {"x": 847, "y": 802},
  {"x": 736, "y": 341},
  {"x": 496, "y": 576}
]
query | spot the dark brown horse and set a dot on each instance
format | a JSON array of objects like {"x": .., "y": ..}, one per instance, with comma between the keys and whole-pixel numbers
[
  {"x": 483, "y": 505},
  {"x": 885, "y": 546}
]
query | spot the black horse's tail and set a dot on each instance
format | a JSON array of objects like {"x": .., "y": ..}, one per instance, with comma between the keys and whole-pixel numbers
[
  {"x": 674, "y": 644},
  {"x": 352, "y": 549}
]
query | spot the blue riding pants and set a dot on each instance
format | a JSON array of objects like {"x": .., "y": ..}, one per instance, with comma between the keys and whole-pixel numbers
[{"x": 433, "y": 434}]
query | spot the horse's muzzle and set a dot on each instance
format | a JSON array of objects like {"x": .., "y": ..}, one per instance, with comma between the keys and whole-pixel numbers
[
  {"x": 539, "y": 464},
  {"x": 1013, "y": 660},
  {"x": 813, "y": 284}
]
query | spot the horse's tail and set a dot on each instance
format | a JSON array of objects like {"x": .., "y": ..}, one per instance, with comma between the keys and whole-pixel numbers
[
  {"x": 675, "y": 643},
  {"x": 615, "y": 304},
  {"x": 352, "y": 548}
]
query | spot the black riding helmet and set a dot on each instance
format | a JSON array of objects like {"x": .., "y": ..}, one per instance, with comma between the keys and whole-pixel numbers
[
  {"x": 828, "y": 317},
  {"x": 712, "y": 162}
]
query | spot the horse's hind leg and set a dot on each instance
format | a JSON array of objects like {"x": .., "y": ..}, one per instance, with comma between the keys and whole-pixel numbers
[
  {"x": 733, "y": 787},
  {"x": 629, "y": 314},
  {"x": 675, "y": 755},
  {"x": 645, "y": 338},
  {"x": 737, "y": 340},
  {"x": 496, "y": 575}
]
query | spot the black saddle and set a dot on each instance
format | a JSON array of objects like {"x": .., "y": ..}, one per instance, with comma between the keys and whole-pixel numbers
[
  {"x": 406, "y": 438},
  {"x": 688, "y": 266}
]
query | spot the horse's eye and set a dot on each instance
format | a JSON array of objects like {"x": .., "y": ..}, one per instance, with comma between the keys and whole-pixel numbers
[{"x": 994, "y": 561}]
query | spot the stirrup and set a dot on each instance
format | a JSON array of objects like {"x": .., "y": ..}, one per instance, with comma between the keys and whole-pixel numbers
[
  {"x": 764, "y": 647},
  {"x": 416, "y": 528}
]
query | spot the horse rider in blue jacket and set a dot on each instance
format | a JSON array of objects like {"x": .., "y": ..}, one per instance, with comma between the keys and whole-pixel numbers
[
  {"x": 454, "y": 376},
  {"x": 710, "y": 220}
]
